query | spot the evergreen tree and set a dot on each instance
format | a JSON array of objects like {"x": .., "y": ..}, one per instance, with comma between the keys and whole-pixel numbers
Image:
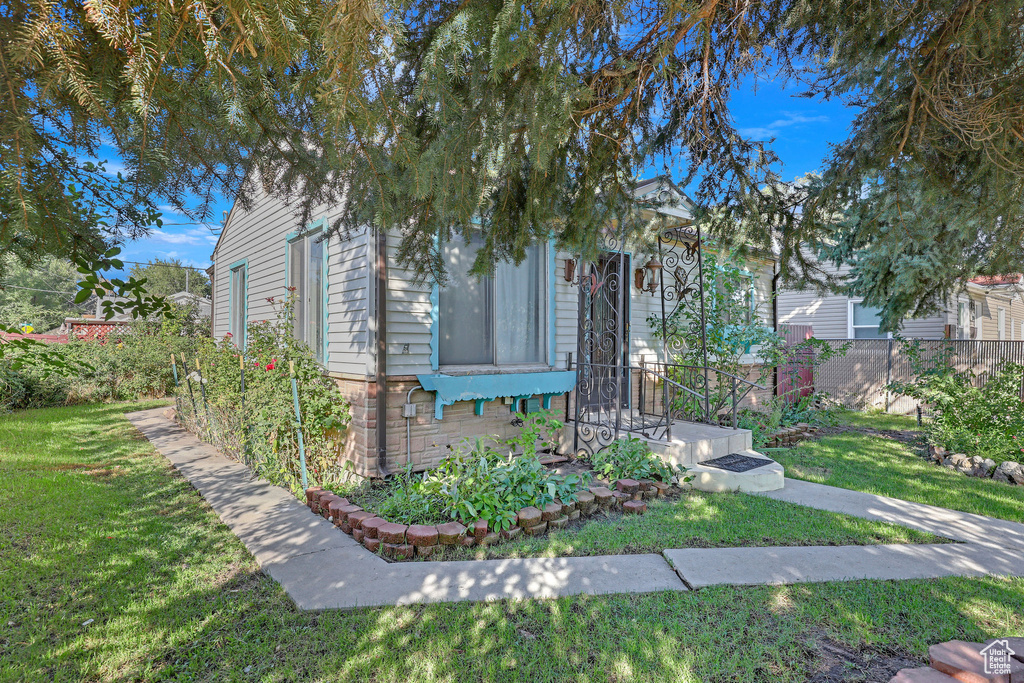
[{"x": 521, "y": 118}]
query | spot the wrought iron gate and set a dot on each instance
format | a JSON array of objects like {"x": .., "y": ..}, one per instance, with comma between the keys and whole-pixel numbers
[{"x": 613, "y": 395}]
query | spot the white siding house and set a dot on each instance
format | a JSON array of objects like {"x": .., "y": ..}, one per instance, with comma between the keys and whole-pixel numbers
[{"x": 262, "y": 251}]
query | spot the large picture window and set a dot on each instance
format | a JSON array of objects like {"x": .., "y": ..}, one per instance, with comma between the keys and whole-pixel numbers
[
  {"x": 237, "y": 305},
  {"x": 497, "y": 320},
  {"x": 864, "y": 322},
  {"x": 306, "y": 275}
]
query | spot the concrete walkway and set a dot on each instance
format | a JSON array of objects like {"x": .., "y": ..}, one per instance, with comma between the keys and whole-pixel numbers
[
  {"x": 959, "y": 526},
  {"x": 320, "y": 567}
]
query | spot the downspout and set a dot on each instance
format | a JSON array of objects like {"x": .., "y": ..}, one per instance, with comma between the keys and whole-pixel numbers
[
  {"x": 775, "y": 321},
  {"x": 382, "y": 354}
]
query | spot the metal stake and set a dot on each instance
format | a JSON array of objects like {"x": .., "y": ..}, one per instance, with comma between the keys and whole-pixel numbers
[{"x": 298, "y": 425}]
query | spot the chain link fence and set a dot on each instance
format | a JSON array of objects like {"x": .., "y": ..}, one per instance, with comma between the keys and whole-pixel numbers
[{"x": 858, "y": 379}]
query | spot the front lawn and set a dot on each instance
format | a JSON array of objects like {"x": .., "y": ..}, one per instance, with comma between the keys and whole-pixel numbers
[
  {"x": 704, "y": 520},
  {"x": 878, "y": 463},
  {"x": 113, "y": 567}
]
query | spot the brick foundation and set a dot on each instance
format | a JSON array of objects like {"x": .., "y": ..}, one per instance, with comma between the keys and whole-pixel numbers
[{"x": 429, "y": 437}]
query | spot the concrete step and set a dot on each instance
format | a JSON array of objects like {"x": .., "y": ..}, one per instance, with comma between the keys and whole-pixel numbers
[
  {"x": 924, "y": 674},
  {"x": 692, "y": 443},
  {"x": 963, "y": 661},
  {"x": 769, "y": 477},
  {"x": 1016, "y": 645}
]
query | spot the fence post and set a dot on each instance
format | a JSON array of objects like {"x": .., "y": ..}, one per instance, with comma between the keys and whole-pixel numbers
[
  {"x": 206, "y": 406},
  {"x": 241, "y": 413},
  {"x": 191, "y": 394},
  {"x": 174, "y": 370},
  {"x": 888, "y": 374},
  {"x": 298, "y": 425}
]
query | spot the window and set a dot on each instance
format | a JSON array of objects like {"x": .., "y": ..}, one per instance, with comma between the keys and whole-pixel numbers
[
  {"x": 743, "y": 294},
  {"x": 306, "y": 275},
  {"x": 498, "y": 320},
  {"x": 963, "y": 320},
  {"x": 1001, "y": 322},
  {"x": 864, "y": 322},
  {"x": 238, "y": 304}
]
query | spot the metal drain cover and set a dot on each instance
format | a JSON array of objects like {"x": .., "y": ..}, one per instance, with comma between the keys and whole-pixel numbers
[{"x": 737, "y": 462}]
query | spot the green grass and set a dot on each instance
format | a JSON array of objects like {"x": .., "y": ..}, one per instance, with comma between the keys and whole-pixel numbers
[
  {"x": 96, "y": 526},
  {"x": 875, "y": 419},
  {"x": 704, "y": 520},
  {"x": 876, "y": 464}
]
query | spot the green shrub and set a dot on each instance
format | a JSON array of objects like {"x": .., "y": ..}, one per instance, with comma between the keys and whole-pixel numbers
[
  {"x": 630, "y": 458},
  {"x": 986, "y": 421},
  {"x": 130, "y": 363},
  {"x": 478, "y": 481},
  {"x": 259, "y": 428}
]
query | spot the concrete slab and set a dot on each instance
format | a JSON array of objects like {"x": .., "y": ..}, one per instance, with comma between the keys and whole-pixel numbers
[
  {"x": 769, "y": 477},
  {"x": 959, "y": 526},
  {"x": 271, "y": 522},
  {"x": 701, "y": 567},
  {"x": 330, "y": 580}
]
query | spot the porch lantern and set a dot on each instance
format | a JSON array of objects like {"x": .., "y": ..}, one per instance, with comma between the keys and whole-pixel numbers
[
  {"x": 650, "y": 273},
  {"x": 570, "y": 269}
]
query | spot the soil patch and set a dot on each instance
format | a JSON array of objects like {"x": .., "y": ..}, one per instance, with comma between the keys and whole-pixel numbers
[{"x": 839, "y": 663}]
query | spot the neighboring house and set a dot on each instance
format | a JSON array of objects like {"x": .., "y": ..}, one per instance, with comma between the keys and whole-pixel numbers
[
  {"x": 467, "y": 355},
  {"x": 989, "y": 308},
  {"x": 98, "y": 327}
]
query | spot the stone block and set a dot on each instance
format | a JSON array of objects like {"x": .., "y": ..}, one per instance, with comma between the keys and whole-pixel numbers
[
  {"x": 550, "y": 511},
  {"x": 536, "y": 529},
  {"x": 629, "y": 486},
  {"x": 450, "y": 533},
  {"x": 603, "y": 495},
  {"x": 335, "y": 507},
  {"x": 356, "y": 519},
  {"x": 634, "y": 507},
  {"x": 311, "y": 494},
  {"x": 358, "y": 535},
  {"x": 427, "y": 550},
  {"x": 467, "y": 541},
  {"x": 646, "y": 484},
  {"x": 924, "y": 674},
  {"x": 421, "y": 535},
  {"x": 511, "y": 533},
  {"x": 344, "y": 511},
  {"x": 586, "y": 502},
  {"x": 371, "y": 525},
  {"x": 650, "y": 494},
  {"x": 398, "y": 551},
  {"x": 371, "y": 544},
  {"x": 391, "y": 533},
  {"x": 558, "y": 523},
  {"x": 567, "y": 508},
  {"x": 618, "y": 498},
  {"x": 662, "y": 487},
  {"x": 529, "y": 516},
  {"x": 346, "y": 527},
  {"x": 574, "y": 515},
  {"x": 479, "y": 529},
  {"x": 963, "y": 661},
  {"x": 489, "y": 539}
]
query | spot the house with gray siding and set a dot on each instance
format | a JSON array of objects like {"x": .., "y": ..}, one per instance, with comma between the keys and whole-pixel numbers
[
  {"x": 986, "y": 309},
  {"x": 424, "y": 366}
]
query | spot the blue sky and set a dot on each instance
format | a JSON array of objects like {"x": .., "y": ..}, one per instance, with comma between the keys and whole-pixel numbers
[{"x": 802, "y": 128}]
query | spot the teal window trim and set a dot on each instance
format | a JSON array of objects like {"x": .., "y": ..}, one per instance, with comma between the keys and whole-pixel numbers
[
  {"x": 449, "y": 389},
  {"x": 435, "y": 293},
  {"x": 313, "y": 228},
  {"x": 240, "y": 265}
]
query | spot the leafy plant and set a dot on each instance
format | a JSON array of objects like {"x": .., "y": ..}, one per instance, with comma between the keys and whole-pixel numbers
[
  {"x": 630, "y": 458},
  {"x": 986, "y": 421},
  {"x": 479, "y": 481},
  {"x": 533, "y": 427}
]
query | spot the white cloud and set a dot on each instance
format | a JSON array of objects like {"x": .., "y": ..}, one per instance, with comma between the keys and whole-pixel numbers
[
  {"x": 773, "y": 129},
  {"x": 190, "y": 236}
]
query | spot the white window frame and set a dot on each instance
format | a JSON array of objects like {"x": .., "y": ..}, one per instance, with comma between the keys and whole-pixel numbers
[
  {"x": 544, "y": 331},
  {"x": 849, "y": 321},
  {"x": 1001, "y": 322},
  {"x": 309, "y": 237},
  {"x": 238, "y": 311}
]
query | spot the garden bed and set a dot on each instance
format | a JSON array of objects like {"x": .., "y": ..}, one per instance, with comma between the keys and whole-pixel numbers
[{"x": 397, "y": 541}]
